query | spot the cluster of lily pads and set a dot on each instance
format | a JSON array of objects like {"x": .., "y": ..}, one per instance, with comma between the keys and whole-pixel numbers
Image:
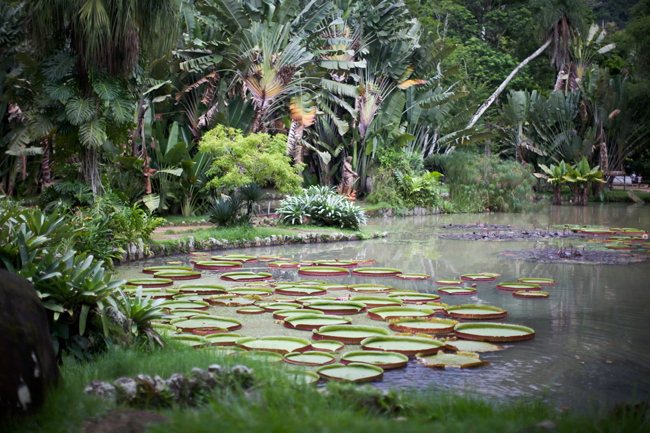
[{"x": 326, "y": 317}]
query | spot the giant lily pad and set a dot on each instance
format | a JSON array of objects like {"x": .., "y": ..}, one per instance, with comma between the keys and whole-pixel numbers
[
  {"x": 414, "y": 276},
  {"x": 256, "y": 291},
  {"x": 223, "y": 339},
  {"x": 278, "y": 285},
  {"x": 449, "y": 282},
  {"x": 470, "y": 346},
  {"x": 230, "y": 300},
  {"x": 354, "y": 372},
  {"x": 377, "y": 301},
  {"x": 515, "y": 287},
  {"x": 332, "y": 286},
  {"x": 470, "y": 311},
  {"x": 458, "y": 359},
  {"x": 284, "y": 314},
  {"x": 368, "y": 288},
  {"x": 240, "y": 257},
  {"x": 308, "y": 299},
  {"x": 303, "y": 377},
  {"x": 174, "y": 314},
  {"x": 619, "y": 247},
  {"x": 387, "y": 313},
  {"x": 348, "y": 334},
  {"x": 309, "y": 322},
  {"x": 311, "y": 358},
  {"x": 264, "y": 356},
  {"x": 327, "y": 345},
  {"x": 280, "y": 345},
  {"x": 284, "y": 264},
  {"x": 414, "y": 298},
  {"x": 537, "y": 281},
  {"x": 210, "y": 265},
  {"x": 246, "y": 276},
  {"x": 336, "y": 307},
  {"x": 190, "y": 340},
  {"x": 206, "y": 324},
  {"x": 154, "y": 292},
  {"x": 324, "y": 271},
  {"x": 178, "y": 275},
  {"x": 598, "y": 232},
  {"x": 148, "y": 283},
  {"x": 462, "y": 291},
  {"x": 531, "y": 294},
  {"x": 278, "y": 306},
  {"x": 154, "y": 269},
  {"x": 408, "y": 346},
  {"x": 268, "y": 258},
  {"x": 337, "y": 263},
  {"x": 187, "y": 297},
  {"x": 376, "y": 272},
  {"x": 186, "y": 305},
  {"x": 301, "y": 291},
  {"x": 495, "y": 332},
  {"x": 385, "y": 360},
  {"x": 202, "y": 289},
  {"x": 477, "y": 278},
  {"x": 251, "y": 310},
  {"x": 423, "y": 326}
]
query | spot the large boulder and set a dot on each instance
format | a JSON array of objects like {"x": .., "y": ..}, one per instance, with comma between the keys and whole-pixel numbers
[{"x": 27, "y": 362}]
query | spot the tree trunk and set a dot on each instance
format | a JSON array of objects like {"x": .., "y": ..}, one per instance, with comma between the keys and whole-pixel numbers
[
  {"x": 291, "y": 138},
  {"x": 505, "y": 83},
  {"x": 46, "y": 172},
  {"x": 585, "y": 195},
  {"x": 257, "y": 121},
  {"x": 557, "y": 195},
  {"x": 91, "y": 170}
]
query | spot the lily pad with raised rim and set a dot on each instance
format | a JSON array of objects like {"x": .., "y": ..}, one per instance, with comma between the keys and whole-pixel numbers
[
  {"x": 264, "y": 356},
  {"x": 494, "y": 332},
  {"x": 278, "y": 285},
  {"x": 414, "y": 277},
  {"x": 377, "y": 301},
  {"x": 376, "y": 272},
  {"x": 301, "y": 291},
  {"x": 186, "y": 313},
  {"x": 457, "y": 291},
  {"x": 240, "y": 257},
  {"x": 203, "y": 325},
  {"x": 195, "y": 341},
  {"x": 268, "y": 258},
  {"x": 445, "y": 282},
  {"x": 369, "y": 288},
  {"x": 281, "y": 345},
  {"x": 256, "y": 291},
  {"x": 471, "y": 346},
  {"x": 492, "y": 274},
  {"x": 598, "y": 232},
  {"x": 423, "y": 326},
  {"x": 348, "y": 334},
  {"x": 414, "y": 298},
  {"x": 537, "y": 281},
  {"x": 477, "y": 278},
  {"x": 211, "y": 265},
  {"x": 354, "y": 372},
  {"x": 148, "y": 283},
  {"x": 154, "y": 292},
  {"x": 515, "y": 287},
  {"x": 475, "y": 312},
  {"x": 387, "y": 313},
  {"x": 327, "y": 345},
  {"x": 385, "y": 360},
  {"x": 187, "y": 297},
  {"x": 309, "y": 322},
  {"x": 333, "y": 286},
  {"x": 312, "y": 358},
  {"x": 251, "y": 310},
  {"x": 202, "y": 289},
  {"x": 531, "y": 294},
  {"x": 408, "y": 346},
  {"x": 178, "y": 275},
  {"x": 324, "y": 271},
  {"x": 279, "y": 306},
  {"x": 337, "y": 307},
  {"x": 284, "y": 314},
  {"x": 185, "y": 305},
  {"x": 303, "y": 377},
  {"x": 457, "y": 359},
  {"x": 223, "y": 339},
  {"x": 154, "y": 269},
  {"x": 246, "y": 276},
  {"x": 308, "y": 299},
  {"x": 284, "y": 265},
  {"x": 336, "y": 263},
  {"x": 164, "y": 329},
  {"x": 230, "y": 300}
]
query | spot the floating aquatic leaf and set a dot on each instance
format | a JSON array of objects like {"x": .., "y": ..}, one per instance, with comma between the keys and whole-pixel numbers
[
  {"x": 251, "y": 310},
  {"x": 211, "y": 265},
  {"x": 202, "y": 289},
  {"x": 327, "y": 345},
  {"x": 408, "y": 346},
  {"x": 471, "y": 311},
  {"x": 423, "y": 326},
  {"x": 206, "y": 324},
  {"x": 284, "y": 314},
  {"x": 376, "y": 272},
  {"x": 458, "y": 360},
  {"x": 532, "y": 294},
  {"x": 377, "y": 301},
  {"x": 348, "y": 334},
  {"x": 311, "y": 358},
  {"x": 246, "y": 276},
  {"x": 354, "y": 372},
  {"x": 323, "y": 271},
  {"x": 385, "y": 360},
  {"x": 537, "y": 281},
  {"x": 495, "y": 332},
  {"x": 449, "y": 282},
  {"x": 470, "y": 346},
  {"x": 414, "y": 298},
  {"x": 478, "y": 278},
  {"x": 414, "y": 277},
  {"x": 369, "y": 288},
  {"x": 518, "y": 286},
  {"x": 280, "y": 345},
  {"x": 336, "y": 307},
  {"x": 154, "y": 269},
  {"x": 150, "y": 282},
  {"x": 309, "y": 322},
  {"x": 462, "y": 291},
  {"x": 387, "y": 313},
  {"x": 223, "y": 339}
]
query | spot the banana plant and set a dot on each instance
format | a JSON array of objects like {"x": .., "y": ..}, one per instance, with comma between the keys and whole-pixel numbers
[
  {"x": 556, "y": 176},
  {"x": 581, "y": 175}
]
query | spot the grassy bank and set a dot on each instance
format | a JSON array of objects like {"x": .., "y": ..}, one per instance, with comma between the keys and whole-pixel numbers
[{"x": 279, "y": 405}]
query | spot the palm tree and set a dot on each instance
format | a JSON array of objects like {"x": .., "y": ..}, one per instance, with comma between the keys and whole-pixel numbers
[{"x": 559, "y": 21}]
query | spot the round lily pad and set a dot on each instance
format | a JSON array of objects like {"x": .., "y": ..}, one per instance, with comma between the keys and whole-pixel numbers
[
  {"x": 280, "y": 345},
  {"x": 284, "y": 314},
  {"x": 202, "y": 289},
  {"x": 211, "y": 265},
  {"x": 186, "y": 305},
  {"x": 264, "y": 284},
  {"x": 240, "y": 257},
  {"x": 457, "y": 359},
  {"x": 408, "y": 346},
  {"x": 186, "y": 313},
  {"x": 279, "y": 306},
  {"x": 414, "y": 298},
  {"x": 477, "y": 278},
  {"x": 619, "y": 247},
  {"x": 311, "y": 358},
  {"x": 223, "y": 339},
  {"x": 306, "y": 263},
  {"x": 333, "y": 286},
  {"x": 348, "y": 334},
  {"x": 284, "y": 264},
  {"x": 154, "y": 269},
  {"x": 301, "y": 291},
  {"x": 251, "y": 310},
  {"x": 337, "y": 307},
  {"x": 492, "y": 274},
  {"x": 530, "y": 294},
  {"x": 385, "y": 360},
  {"x": 150, "y": 282},
  {"x": 368, "y": 288},
  {"x": 376, "y": 272},
  {"x": 309, "y": 299},
  {"x": 264, "y": 356},
  {"x": 268, "y": 258},
  {"x": 414, "y": 276},
  {"x": 178, "y": 275},
  {"x": 470, "y": 311},
  {"x": 154, "y": 292},
  {"x": 324, "y": 271},
  {"x": 230, "y": 300},
  {"x": 309, "y": 322},
  {"x": 537, "y": 281},
  {"x": 279, "y": 285},
  {"x": 354, "y": 372},
  {"x": 257, "y": 291},
  {"x": 327, "y": 345},
  {"x": 387, "y": 313},
  {"x": 187, "y": 297},
  {"x": 598, "y": 232},
  {"x": 495, "y": 332},
  {"x": 457, "y": 291},
  {"x": 190, "y": 340},
  {"x": 206, "y": 324},
  {"x": 377, "y": 301},
  {"x": 449, "y": 282},
  {"x": 337, "y": 263},
  {"x": 423, "y": 326},
  {"x": 246, "y": 276},
  {"x": 303, "y": 377},
  {"x": 518, "y": 286},
  {"x": 471, "y": 346},
  {"x": 164, "y": 328}
]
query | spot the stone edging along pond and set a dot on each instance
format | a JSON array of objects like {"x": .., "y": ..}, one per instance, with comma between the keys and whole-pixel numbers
[{"x": 143, "y": 251}]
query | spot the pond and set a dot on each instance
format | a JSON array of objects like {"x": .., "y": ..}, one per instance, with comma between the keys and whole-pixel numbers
[{"x": 592, "y": 342}]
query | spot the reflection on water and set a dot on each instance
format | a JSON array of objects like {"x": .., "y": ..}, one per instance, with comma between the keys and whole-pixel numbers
[{"x": 592, "y": 344}]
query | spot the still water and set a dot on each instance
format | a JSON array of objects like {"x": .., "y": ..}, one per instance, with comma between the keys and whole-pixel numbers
[{"x": 592, "y": 343}]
